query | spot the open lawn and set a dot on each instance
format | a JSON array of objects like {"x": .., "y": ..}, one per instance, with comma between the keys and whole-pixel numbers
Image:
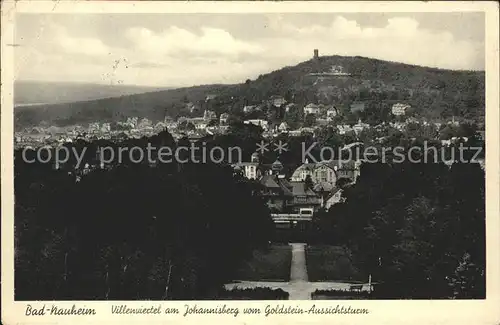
[
  {"x": 253, "y": 294},
  {"x": 270, "y": 265},
  {"x": 331, "y": 263}
]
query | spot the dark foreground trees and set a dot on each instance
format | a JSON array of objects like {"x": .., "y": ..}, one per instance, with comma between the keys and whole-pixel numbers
[
  {"x": 418, "y": 229},
  {"x": 132, "y": 232}
]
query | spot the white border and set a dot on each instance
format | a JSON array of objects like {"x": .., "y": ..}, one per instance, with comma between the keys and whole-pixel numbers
[{"x": 386, "y": 312}]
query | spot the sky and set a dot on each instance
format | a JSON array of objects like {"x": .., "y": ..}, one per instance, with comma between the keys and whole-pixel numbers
[{"x": 173, "y": 50}]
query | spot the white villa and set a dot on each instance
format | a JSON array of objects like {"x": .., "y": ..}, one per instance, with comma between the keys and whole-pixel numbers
[
  {"x": 360, "y": 126},
  {"x": 277, "y": 101},
  {"x": 344, "y": 128},
  {"x": 400, "y": 109},
  {"x": 326, "y": 172},
  {"x": 249, "y": 108},
  {"x": 311, "y": 109},
  {"x": 262, "y": 123},
  {"x": 331, "y": 113},
  {"x": 283, "y": 127},
  {"x": 249, "y": 169}
]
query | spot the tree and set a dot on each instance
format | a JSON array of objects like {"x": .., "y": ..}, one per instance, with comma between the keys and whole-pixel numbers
[
  {"x": 393, "y": 136},
  {"x": 309, "y": 120},
  {"x": 212, "y": 123},
  {"x": 308, "y": 182},
  {"x": 468, "y": 280},
  {"x": 412, "y": 238},
  {"x": 414, "y": 252},
  {"x": 293, "y": 118},
  {"x": 186, "y": 126},
  {"x": 328, "y": 135},
  {"x": 446, "y": 133},
  {"x": 373, "y": 113},
  {"x": 175, "y": 223},
  {"x": 367, "y": 136},
  {"x": 349, "y": 137},
  {"x": 467, "y": 130}
]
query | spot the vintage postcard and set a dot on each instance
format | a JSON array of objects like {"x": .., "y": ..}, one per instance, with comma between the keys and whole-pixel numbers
[{"x": 250, "y": 162}]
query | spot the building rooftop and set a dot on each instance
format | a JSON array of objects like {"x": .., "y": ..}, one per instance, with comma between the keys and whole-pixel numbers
[{"x": 300, "y": 189}]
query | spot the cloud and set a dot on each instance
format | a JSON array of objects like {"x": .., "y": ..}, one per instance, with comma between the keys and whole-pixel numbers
[
  {"x": 179, "y": 57},
  {"x": 401, "y": 39},
  {"x": 176, "y": 41},
  {"x": 85, "y": 46},
  {"x": 56, "y": 56},
  {"x": 58, "y": 39}
]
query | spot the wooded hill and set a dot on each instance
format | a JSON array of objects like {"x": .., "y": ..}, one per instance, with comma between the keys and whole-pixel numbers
[{"x": 434, "y": 93}]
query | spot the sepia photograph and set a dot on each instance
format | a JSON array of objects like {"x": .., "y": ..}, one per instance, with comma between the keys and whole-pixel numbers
[
  {"x": 266, "y": 225},
  {"x": 248, "y": 156}
]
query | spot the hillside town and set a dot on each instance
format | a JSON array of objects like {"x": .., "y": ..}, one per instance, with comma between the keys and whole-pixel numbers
[
  {"x": 276, "y": 114},
  {"x": 312, "y": 186},
  {"x": 317, "y": 116},
  {"x": 317, "y": 119},
  {"x": 360, "y": 220}
]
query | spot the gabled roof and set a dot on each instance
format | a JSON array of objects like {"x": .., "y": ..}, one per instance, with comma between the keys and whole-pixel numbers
[
  {"x": 300, "y": 189},
  {"x": 269, "y": 181},
  {"x": 340, "y": 164},
  {"x": 277, "y": 163},
  {"x": 284, "y": 125},
  {"x": 286, "y": 186},
  {"x": 273, "y": 182},
  {"x": 323, "y": 165},
  {"x": 307, "y": 166},
  {"x": 324, "y": 187},
  {"x": 334, "y": 191},
  {"x": 240, "y": 164},
  {"x": 312, "y": 105}
]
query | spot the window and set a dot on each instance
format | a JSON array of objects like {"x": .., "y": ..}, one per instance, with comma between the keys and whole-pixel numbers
[
  {"x": 301, "y": 199},
  {"x": 306, "y": 212},
  {"x": 323, "y": 176}
]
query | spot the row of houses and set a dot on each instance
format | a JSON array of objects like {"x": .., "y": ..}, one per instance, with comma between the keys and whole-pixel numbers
[
  {"x": 330, "y": 111},
  {"x": 284, "y": 127}
]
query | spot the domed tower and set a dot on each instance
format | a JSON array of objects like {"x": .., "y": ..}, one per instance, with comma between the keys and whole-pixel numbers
[{"x": 276, "y": 167}]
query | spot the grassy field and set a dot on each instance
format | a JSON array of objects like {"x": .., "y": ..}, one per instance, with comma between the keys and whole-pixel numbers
[
  {"x": 271, "y": 265},
  {"x": 330, "y": 263}
]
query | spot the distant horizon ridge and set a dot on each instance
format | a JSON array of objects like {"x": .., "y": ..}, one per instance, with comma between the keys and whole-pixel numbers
[{"x": 79, "y": 102}]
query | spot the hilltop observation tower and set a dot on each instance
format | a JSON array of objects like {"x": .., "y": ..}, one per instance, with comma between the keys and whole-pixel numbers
[{"x": 334, "y": 71}]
